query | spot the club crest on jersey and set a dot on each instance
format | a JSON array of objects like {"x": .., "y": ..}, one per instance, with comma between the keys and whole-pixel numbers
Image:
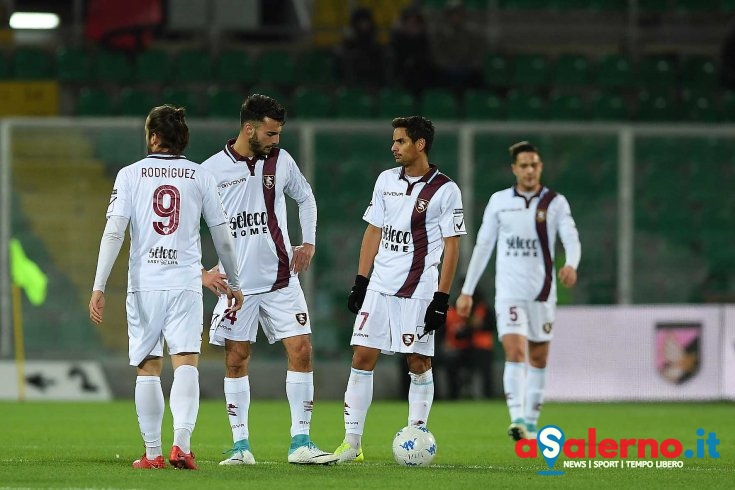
[
  {"x": 269, "y": 181},
  {"x": 301, "y": 318},
  {"x": 540, "y": 216},
  {"x": 407, "y": 339},
  {"x": 421, "y": 205},
  {"x": 547, "y": 327}
]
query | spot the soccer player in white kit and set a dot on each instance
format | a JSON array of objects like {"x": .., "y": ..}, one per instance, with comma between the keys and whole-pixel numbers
[
  {"x": 163, "y": 197},
  {"x": 254, "y": 176},
  {"x": 415, "y": 215},
  {"x": 524, "y": 220}
]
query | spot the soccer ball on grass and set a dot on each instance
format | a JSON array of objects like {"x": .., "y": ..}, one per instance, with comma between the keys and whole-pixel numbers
[{"x": 414, "y": 446}]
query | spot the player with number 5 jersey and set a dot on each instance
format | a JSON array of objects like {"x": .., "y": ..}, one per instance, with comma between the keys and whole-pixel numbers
[{"x": 163, "y": 197}]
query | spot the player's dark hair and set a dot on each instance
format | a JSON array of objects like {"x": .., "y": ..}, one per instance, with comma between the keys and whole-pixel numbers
[
  {"x": 521, "y": 147},
  {"x": 417, "y": 127},
  {"x": 257, "y": 107},
  {"x": 169, "y": 123}
]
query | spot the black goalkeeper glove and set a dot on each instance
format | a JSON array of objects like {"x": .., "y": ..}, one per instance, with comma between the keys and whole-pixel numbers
[
  {"x": 357, "y": 294},
  {"x": 436, "y": 314}
]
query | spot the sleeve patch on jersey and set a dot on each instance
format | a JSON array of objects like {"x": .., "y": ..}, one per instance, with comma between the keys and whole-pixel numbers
[
  {"x": 113, "y": 198},
  {"x": 459, "y": 223}
]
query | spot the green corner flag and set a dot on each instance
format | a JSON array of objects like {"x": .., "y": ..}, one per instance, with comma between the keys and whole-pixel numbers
[{"x": 26, "y": 274}]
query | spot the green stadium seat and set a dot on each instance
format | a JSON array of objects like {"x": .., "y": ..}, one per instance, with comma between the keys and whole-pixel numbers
[
  {"x": 192, "y": 66},
  {"x": 439, "y": 104},
  {"x": 570, "y": 70},
  {"x": 526, "y": 106},
  {"x": 567, "y": 107},
  {"x": 317, "y": 66},
  {"x": 656, "y": 107},
  {"x": 224, "y": 103},
  {"x": 728, "y": 106},
  {"x": 395, "y": 103},
  {"x": 31, "y": 64},
  {"x": 276, "y": 67},
  {"x": 699, "y": 73},
  {"x": 727, "y": 6},
  {"x": 4, "y": 71},
  {"x": 480, "y": 105},
  {"x": 235, "y": 66},
  {"x": 700, "y": 107},
  {"x": 615, "y": 71},
  {"x": 73, "y": 65},
  {"x": 609, "y": 106},
  {"x": 135, "y": 102},
  {"x": 495, "y": 70},
  {"x": 524, "y": 4},
  {"x": 187, "y": 99},
  {"x": 658, "y": 72},
  {"x": 93, "y": 102},
  {"x": 111, "y": 66},
  {"x": 312, "y": 103},
  {"x": 354, "y": 103},
  {"x": 153, "y": 66},
  {"x": 530, "y": 70}
]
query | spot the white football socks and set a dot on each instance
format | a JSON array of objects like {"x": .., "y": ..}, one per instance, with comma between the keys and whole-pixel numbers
[
  {"x": 535, "y": 385},
  {"x": 149, "y": 405},
  {"x": 184, "y": 401},
  {"x": 358, "y": 397},
  {"x": 300, "y": 394},
  {"x": 420, "y": 397},
  {"x": 237, "y": 398},
  {"x": 514, "y": 383}
]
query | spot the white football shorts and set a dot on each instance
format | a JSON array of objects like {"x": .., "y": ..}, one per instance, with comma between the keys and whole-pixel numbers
[
  {"x": 532, "y": 319},
  {"x": 175, "y": 316},
  {"x": 393, "y": 324},
  {"x": 282, "y": 314}
]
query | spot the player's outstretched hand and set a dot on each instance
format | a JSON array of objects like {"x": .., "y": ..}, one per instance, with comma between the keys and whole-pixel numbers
[
  {"x": 214, "y": 280},
  {"x": 436, "y": 314},
  {"x": 234, "y": 299},
  {"x": 357, "y": 294},
  {"x": 97, "y": 307}
]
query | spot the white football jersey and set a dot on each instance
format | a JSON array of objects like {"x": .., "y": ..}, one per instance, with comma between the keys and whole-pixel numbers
[
  {"x": 414, "y": 217},
  {"x": 164, "y": 197},
  {"x": 253, "y": 192},
  {"x": 525, "y": 231}
]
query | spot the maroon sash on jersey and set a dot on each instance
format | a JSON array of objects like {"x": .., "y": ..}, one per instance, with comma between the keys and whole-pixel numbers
[
  {"x": 269, "y": 195},
  {"x": 420, "y": 239},
  {"x": 543, "y": 235}
]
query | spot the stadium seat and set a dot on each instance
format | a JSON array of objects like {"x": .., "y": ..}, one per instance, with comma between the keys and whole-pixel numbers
[
  {"x": 614, "y": 71},
  {"x": 728, "y": 106},
  {"x": 439, "y": 104},
  {"x": 395, "y": 102},
  {"x": 657, "y": 107},
  {"x": 4, "y": 71},
  {"x": 31, "y": 64},
  {"x": 111, "y": 66},
  {"x": 223, "y": 103},
  {"x": 354, "y": 103},
  {"x": 93, "y": 102},
  {"x": 72, "y": 65},
  {"x": 270, "y": 91},
  {"x": 134, "y": 102},
  {"x": 609, "y": 106},
  {"x": 700, "y": 106},
  {"x": 570, "y": 70},
  {"x": 276, "y": 67},
  {"x": 480, "y": 105},
  {"x": 699, "y": 73},
  {"x": 658, "y": 72},
  {"x": 567, "y": 107},
  {"x": 495, "y": 70},
  {"x": 187, "y": 99},
  {"x": 192, "y": 66},
  {"x": 235, "y": 66},
  {"x": 316, "y": 66},
  {"x": 312, "y": 103},
  {"x": 530, "y": 70},
  {"x": 153, "y": 66},
  {"x": 526, "y": 106}
]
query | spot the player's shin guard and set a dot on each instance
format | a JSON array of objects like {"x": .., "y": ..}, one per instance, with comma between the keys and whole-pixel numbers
[
  {"x": 300, "y": 394},
  {"x": 237, "y": 399},
  {"x": 514, "y": 383},
  {"x": 358, "y": 397},
  {"x": 420, "y": 397},
  {"x": 184, "y": 405},
  {"x": 535, "y": 385},
  {"x": 149, "y": 405}
]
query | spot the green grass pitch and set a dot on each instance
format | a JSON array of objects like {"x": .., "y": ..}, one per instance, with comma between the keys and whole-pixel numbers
[{"x": 91, "y": 445}]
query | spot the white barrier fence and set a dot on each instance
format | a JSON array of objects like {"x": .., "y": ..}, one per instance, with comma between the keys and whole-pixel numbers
[{"x": 642, "y": 353}]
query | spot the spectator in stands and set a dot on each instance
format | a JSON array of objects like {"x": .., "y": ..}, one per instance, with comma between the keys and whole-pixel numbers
[
  {"x": 457, "y": 48},
  {"x": 468, "y": 348},
  {"x": 362, "y": 56},
  {"x": 410, "y": 50}
]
